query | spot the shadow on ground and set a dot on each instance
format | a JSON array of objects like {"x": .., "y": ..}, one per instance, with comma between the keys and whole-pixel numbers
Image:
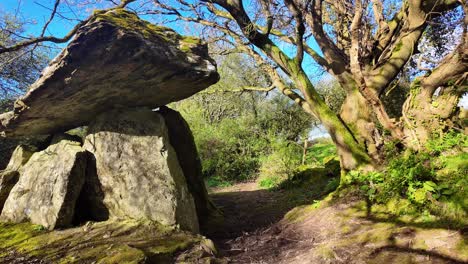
[{"x": 249, "y": 211}]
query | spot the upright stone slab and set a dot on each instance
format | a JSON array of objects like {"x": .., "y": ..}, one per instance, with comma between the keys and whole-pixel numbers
[
  {"x": 138, "y": 168},
  {"x": 8, "y": 179},
  {"x": 48, "y": 187},
  {"x": 182, "y": 140},
  {"x": 10, "y": 176},
  {"x": 20, "y": 156}
]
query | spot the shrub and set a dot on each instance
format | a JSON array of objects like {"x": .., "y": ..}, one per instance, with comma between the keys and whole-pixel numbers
[
  {"x": 280, "y": 165},
  {"x": 434, "y": 180},
  {"x": 321, "y": 152}
]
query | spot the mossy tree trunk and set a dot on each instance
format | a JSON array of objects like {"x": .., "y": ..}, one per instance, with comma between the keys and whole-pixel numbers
[{"x": 433, "y": 99}]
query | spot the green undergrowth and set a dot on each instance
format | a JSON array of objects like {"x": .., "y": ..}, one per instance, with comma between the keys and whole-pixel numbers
[
  {"x": 127, "y": 241},
  {"x": 428, "y": 187},
  {"x": 370, "y": 233},
  {"x": 320, "y": 153},
  {"x": 282, "y": 169}
]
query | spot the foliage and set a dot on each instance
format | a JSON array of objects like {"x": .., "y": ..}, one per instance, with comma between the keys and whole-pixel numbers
[
  {"x": 238, "y": 132},
  {"x": 447, "y": 141},
  {"x": 321, "y": 152},
  {"x": 332, "y": 93},
  {"x": 282, "y": 170},
  {"x": 432, "y": 181},
  {"x": 280, "y": 165}
]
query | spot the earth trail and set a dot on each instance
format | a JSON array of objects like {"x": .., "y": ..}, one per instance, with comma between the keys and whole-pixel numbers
[{"x": 255, "y": 230}]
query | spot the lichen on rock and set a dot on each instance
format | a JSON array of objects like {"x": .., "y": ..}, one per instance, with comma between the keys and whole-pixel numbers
[{"x": 128, "y": 241}]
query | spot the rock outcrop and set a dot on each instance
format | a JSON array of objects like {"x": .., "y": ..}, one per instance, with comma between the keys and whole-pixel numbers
[
  {"x": 48, "y": 186},
  {"x": 115, "y": 60},
  {"x": 10, "y": 176},
  {"x": 138, "y": 168},
  {"x": 20, "y": 156}
]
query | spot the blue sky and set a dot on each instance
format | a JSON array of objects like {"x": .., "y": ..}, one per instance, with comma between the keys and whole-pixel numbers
[{"x": 35, "y": 11}]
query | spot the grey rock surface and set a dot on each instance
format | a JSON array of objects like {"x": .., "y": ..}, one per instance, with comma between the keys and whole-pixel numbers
[
  {"x": 48, "y": 186},
  {"x": 115, "y": 60},
  {"x": 8, "y": 179},
  {"x": 139, "y": 170},
  {"x": 182, "y": 140}
]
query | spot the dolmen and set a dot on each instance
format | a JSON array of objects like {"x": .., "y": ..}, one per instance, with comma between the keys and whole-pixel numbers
[{"x": 111, "y": 148}]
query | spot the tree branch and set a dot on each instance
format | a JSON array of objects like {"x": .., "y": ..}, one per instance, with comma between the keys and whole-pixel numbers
[{"x": 299, "y": 28}]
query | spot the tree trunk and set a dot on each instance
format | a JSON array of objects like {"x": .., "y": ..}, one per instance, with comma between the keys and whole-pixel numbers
[
  {"x": 352, "y": 154},
  {"x": 357, "y": 114},
  {"x": 425, "y": 115}
]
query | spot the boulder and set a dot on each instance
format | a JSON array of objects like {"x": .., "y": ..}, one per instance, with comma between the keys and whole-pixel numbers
[
  {"x": 115, "y": 60},
  {"x": 7, "y": 147},
  {"x": 29, "y": 144},
  {"x": 138, "y": 168},
  {"x": 181, "y": 139},
  {"x": 9, "y": 177},
  {"x": 48, "y": 187}
]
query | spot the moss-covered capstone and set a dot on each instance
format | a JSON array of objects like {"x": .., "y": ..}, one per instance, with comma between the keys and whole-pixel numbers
[{"x": 115, "y": 60}]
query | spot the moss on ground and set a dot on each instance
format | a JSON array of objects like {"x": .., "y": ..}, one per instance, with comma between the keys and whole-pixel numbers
[
  {"x": 393, "y": 232},
  {"x": 127, "y": 241}
]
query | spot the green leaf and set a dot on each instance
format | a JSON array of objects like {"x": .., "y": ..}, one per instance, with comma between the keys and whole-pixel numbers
[{"x": 429, "y": 186}]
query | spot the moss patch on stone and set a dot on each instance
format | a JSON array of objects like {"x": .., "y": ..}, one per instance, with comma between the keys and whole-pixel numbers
[
  {"x": 127, "y": 241},
  {"x": 130, "y": 21}
]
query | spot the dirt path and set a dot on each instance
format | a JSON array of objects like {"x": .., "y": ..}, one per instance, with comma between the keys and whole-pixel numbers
[
  {"x": 249, "y": 232},
  {"x": 340, "y": 232}
]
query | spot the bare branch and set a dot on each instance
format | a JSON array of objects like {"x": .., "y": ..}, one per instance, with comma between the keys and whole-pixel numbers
[
  {"x": 354, "y": 53},
  {"x": 300, "y": 29},
  {"x": 54, "y": 10}
]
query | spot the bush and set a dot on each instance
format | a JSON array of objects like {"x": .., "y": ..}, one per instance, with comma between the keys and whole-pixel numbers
[
  {"x": 280, "y": 165},
  {"x": 321, "y": 152},
  {"x": 434, "y": 180},
  {"x": 229, "y": 152}
]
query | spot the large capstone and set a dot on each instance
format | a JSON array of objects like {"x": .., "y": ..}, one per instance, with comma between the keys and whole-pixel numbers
[
  {"x": 48, "y": 186},
  {"x": 115, "y": 60},
  {"x": 138, "y": 168}
]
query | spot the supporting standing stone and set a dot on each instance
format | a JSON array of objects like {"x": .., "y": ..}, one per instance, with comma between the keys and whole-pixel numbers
[
  {"x": 8, "y": 179},
  {"x": 10, "y": 176},
  {"x": 48, "y": 187},
  {"x": 182, "y": 140},
  {"x": 138, "y": 168}
]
